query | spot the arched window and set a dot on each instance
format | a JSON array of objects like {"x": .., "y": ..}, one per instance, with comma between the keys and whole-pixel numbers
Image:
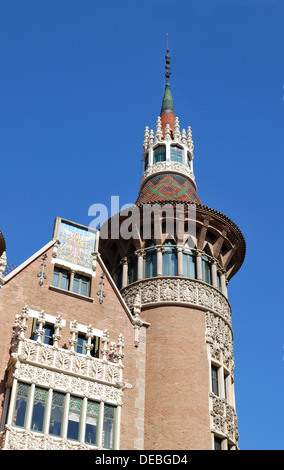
[
  {"x": 176, "y": 154},
  {"x": 189, "y": 162},
  {"x": 159, "y": 154},
  {"x": 150, "y": 261},
  {"x": 189, "y": 262},
  {"x": 169, "y": 259},
  {"x": 206, "y": 270}
]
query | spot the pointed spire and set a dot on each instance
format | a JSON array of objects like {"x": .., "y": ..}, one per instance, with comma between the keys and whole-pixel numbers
[{"x": 167, "y": 111}]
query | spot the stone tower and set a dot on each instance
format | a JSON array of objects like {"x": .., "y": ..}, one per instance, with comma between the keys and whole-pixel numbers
[{"x": 172, "y": 267}]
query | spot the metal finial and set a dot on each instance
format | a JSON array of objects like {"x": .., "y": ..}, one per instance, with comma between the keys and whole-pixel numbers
[{"x": 167, "y": 57}]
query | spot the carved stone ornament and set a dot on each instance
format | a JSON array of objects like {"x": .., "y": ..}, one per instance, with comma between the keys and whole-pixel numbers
[
  {"x": 168, "y": 166},
  {"x": 172, "y": 289}
]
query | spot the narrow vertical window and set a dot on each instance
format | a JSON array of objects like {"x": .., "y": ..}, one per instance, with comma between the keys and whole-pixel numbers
[
  {"x": 150, "y": 262},
  {"x": 92, "y": 418},
  {"x": 146, "y": 162},
  {"x": 215, "y": 383},
  {"x": 20, "y": 410},
  {"x": 74, "y": 418},
  {"x": 217, "y": 443},
  {"x": 132, "y": 269},
  {"x": 108, "y": 427},
  {"x": 189, "y": 265},
  {"x": 81, "y": 284},
  {"x": 206, "y": 270},
  {"x": 169, "y": 259},
  {"x": 219, "y": 281},
  {"x": 80, "y": 346},
  {"x": 39, "y": 407},
  {"x": 189, "y": 162},
  {"x": 61, "y": 278},
  {"x": 56, "y": 416},
  {"x": 48, "y": 332}
]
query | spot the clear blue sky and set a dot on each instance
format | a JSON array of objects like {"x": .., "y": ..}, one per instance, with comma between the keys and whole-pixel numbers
[{"x": 80, "y": 80}]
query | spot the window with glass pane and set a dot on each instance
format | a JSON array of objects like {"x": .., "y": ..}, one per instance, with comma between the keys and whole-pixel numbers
[
  {"x": 81, "y": 345},
  {"x": 159, "y": 154},
  {"x": 74, "y": 418},
  {"x": 132, "y": 269},
  {"x": 56, "y": 416},
  {"x": 20, "y": 410},
  {"x": 219, "y": 280},
  {"x": 81, "y": 342},
  {"x": 189, "y": 162},
  {"x": 176, "y": 154},
  {"x": 92, "y": 418},
  {"x": 39, "y": 407},
  {"x": 48, "y": 332},
  {"x": 189, "y": 265},
  {"x": 108, "y": 426},
  {"x": 217, "y": 443},
  {"x": 206, "y": 270},
  {"x": 81, "y": 284},
  {"x": 150, "y": 263},
  {"x": 146, "y": 162},
  {"x": 119, "y": 277},
  {"x": 169, "y": 259},
  {"x": 61, "y": 278},
  {"x": 214, "y": 378}
]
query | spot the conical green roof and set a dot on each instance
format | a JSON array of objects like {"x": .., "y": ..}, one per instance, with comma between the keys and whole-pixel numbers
[{"x": 167, "y": 105}]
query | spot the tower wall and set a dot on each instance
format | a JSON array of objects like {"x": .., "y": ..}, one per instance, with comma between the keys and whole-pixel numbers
[{"x": 177, "y": 379}]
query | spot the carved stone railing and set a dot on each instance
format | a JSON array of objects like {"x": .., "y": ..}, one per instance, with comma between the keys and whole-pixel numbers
[
  {"x": 21, "y": 439},
  {"x": 168, "y": 166},
  {"x": 46, "y": 365},
  {"x": 173, "y": 290},
  {"x": 224, "y": 418}
]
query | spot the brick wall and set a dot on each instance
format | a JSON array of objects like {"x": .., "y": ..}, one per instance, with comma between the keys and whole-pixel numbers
[{"x": 177, "y": 379}]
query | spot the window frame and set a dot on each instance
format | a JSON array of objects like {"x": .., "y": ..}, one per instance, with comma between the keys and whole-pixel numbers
[
  {"x": 215, "y": 380},
  {"x": 61, "y": 274},
  {"x": 172, "y": 154},
  {"x": 157, "y": 158}
]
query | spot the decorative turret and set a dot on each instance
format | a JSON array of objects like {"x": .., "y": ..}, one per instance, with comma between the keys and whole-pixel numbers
[{"x": 168, "y": 157}]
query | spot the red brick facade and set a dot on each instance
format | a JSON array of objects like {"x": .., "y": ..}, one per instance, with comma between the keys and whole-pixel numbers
[{"x": 177, "y": 379}]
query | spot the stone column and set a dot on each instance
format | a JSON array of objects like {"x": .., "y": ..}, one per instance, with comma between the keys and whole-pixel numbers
[
  {"x": 140, "y": 255},
  {"x": 72, "y": 274},
  {"x": 159, "y": 251},
  {"x": 214, "y": 272},
  {"x": 124, "y": 263},
  {"x": 223, "y": 283},
  {"x": 179, "y": 260},
  {"x": 199, "y": 265}
]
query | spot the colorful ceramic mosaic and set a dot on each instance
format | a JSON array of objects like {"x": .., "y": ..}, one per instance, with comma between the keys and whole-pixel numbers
[
  {"x": 169, "y": 187},
  {"x": 76, "y": 245}
]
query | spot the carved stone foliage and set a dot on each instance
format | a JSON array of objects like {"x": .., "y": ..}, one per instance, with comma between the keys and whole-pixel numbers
[
  {"x": 224, "y": 418},
  {"x": 69, "y": 383},
  {"x": 166, "y": 166},
  {"x": 181, "y": 290},
  {"x": 21, "y": 439},
  {"x": 220, "y": 338}
]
